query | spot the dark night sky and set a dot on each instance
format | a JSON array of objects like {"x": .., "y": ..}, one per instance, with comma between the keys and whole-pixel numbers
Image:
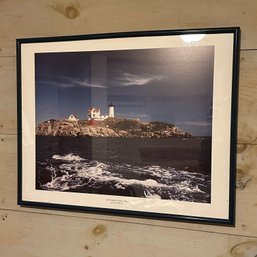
[{"x": 172, "y": 85}]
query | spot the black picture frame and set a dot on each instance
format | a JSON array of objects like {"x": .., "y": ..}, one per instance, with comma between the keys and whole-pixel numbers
[{"x": 132, "y": 59}]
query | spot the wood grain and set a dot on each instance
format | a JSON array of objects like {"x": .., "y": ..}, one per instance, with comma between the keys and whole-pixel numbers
[
  {"x": 40, "y": 235},
  {"x": 8, "y": 123},
  {"x": 32, "y": 18},
  {"x": 247, "y": 168},
  {"x": 247, "y": 111}
]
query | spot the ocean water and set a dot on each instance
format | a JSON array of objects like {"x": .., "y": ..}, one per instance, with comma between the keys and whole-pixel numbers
[{"x": 167, "y": 168}]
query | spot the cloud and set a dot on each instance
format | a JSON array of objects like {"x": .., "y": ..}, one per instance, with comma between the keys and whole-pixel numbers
[
  {"x": 69, "y": 82},
  {"x": 124, "y": 79},
  {"x": 84, "y": 83},
  {"x": 129, "y": 79}
]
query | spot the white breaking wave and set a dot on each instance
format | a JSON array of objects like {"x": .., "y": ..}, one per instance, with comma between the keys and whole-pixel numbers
[
  {"x": 145, "y": 181},
  {"x": 148, "y": 194},
  {"x": 98, "y": 173},
  {"x": 68, "y": 157}
]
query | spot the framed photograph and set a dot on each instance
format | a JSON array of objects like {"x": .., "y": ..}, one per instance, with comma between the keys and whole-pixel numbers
[{"x": 136, "y": 123}]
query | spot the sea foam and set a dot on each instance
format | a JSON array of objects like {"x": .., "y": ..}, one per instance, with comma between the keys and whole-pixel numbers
[
  {"x": 67, "y": 157},
  {"x": 151, "y": 181}
]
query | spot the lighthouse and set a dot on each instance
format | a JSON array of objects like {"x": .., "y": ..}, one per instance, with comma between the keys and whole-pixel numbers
[{"x": 111, "y": 110}]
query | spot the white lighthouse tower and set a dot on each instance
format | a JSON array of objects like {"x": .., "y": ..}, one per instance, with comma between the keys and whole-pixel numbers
[{"x": 111, "y": 110}]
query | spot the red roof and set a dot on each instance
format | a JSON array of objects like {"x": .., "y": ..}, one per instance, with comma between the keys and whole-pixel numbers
[{"x": 94, "y": 109}]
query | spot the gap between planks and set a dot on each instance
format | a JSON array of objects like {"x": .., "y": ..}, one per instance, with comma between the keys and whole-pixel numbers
[{"x": 7, "y": 134}]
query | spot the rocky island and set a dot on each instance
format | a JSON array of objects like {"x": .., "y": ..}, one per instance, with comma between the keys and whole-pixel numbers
[{"x": 110, "y": 127}]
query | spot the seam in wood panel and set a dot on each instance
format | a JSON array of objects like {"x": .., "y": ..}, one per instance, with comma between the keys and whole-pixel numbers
[
  {"x": 248, "y": 49},
  {"x": 8, "y": 56},
  {"x": 7, "y": 134},
  {"x": 246, "y": 143},
  {"x": 132, "y": 222}
]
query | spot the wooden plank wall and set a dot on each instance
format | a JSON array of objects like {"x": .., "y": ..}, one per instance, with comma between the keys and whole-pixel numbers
[{"x": 31, "y": 232}]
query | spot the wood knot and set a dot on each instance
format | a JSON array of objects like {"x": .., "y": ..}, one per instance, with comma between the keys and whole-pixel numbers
[
  {"x": 247, "y": 248},
  {"x": 71, "y": 12},
  {"x": 241, "y": 148},
  {"x": 99, "y": 229},
  {"x": 243, "y": 178},
  {"x": 4, "y": 216}
]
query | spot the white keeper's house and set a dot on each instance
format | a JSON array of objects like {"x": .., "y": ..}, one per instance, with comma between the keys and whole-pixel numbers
[
  {"x": 95, "y": 113},
  {"x": 72, "y": 117}
]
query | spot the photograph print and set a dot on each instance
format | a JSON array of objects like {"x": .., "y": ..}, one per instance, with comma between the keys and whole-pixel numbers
[
  {"x": 141, "y": 124},
  {"x": 131, "y": 123}
]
